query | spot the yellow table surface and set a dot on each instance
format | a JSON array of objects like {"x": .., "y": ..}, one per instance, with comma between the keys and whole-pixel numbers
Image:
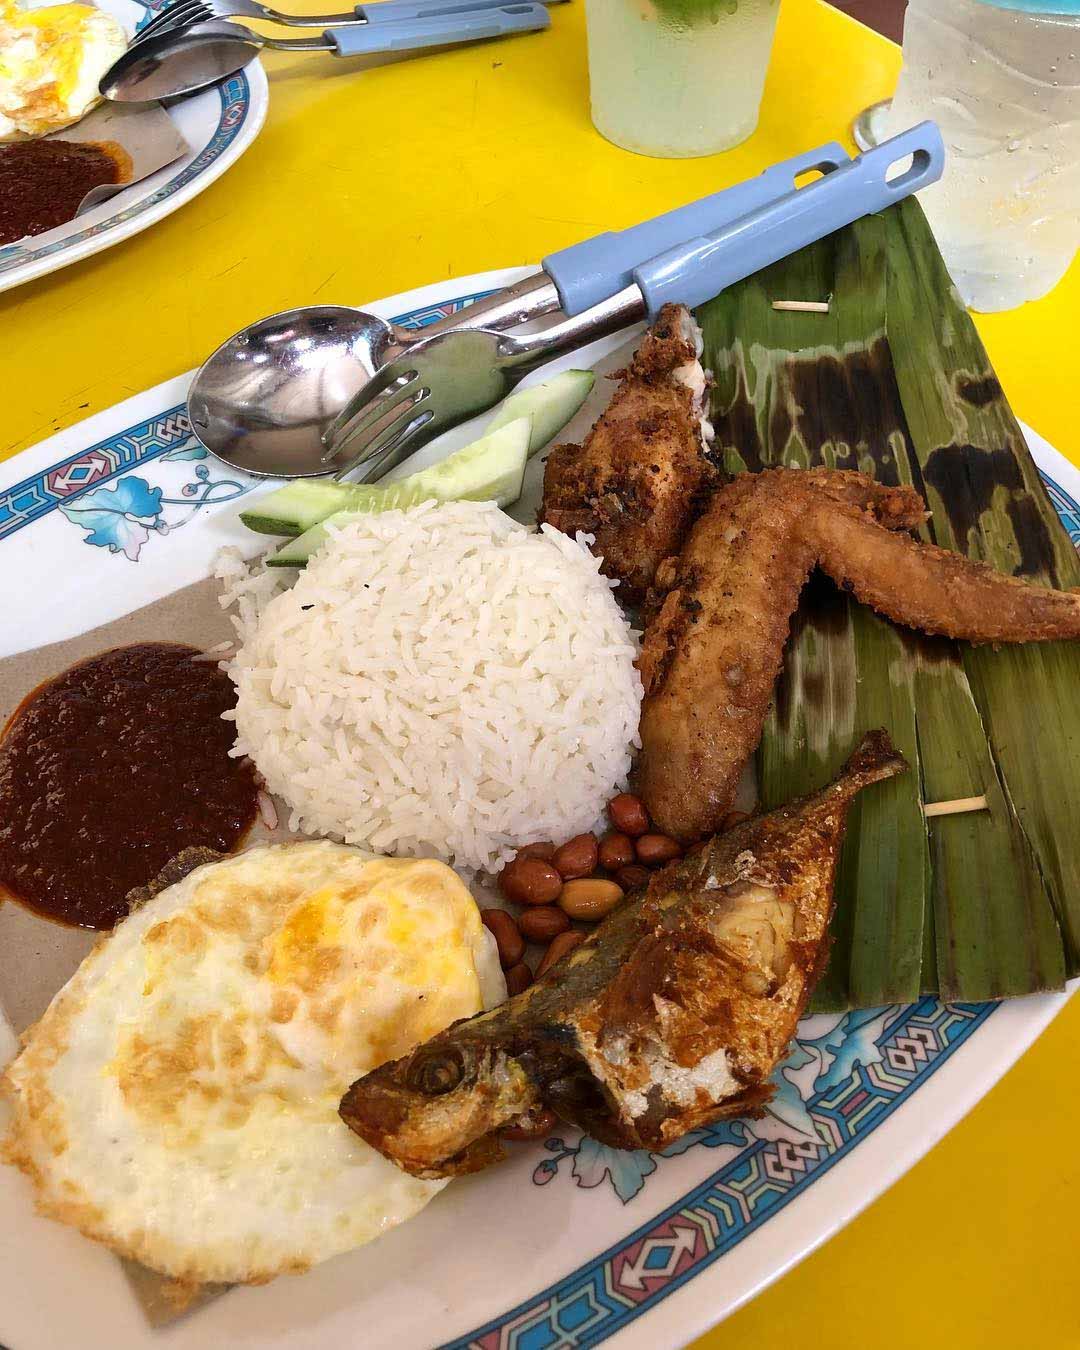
[{"x": 370, "y": 179}]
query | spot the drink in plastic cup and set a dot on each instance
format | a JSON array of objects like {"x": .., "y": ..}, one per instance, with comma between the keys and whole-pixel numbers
[
  {"x": 1002, "y": 80},
  {"x": 678, "y": 78}
]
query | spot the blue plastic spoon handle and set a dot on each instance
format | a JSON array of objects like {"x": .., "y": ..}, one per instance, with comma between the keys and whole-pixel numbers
[
  {"x": 386, "y": 11},
  {"x": 589, "y": 272},
  {"x": 438, "y": 30},
  {"x": 699, "y": 269}
]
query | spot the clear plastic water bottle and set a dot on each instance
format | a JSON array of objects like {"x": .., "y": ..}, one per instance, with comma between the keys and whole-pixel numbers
[{"x": 1002, "y": 80}]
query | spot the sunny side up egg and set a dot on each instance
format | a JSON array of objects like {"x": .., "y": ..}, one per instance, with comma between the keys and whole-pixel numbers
[
  {"x": 51, "y": 60},
  {"x": 178, "y": 1100}
]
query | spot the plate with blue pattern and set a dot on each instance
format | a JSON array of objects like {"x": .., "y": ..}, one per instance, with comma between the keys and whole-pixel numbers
[
  {"x": 218, "y": 125},
  {"x": 568, "y": 1243}
]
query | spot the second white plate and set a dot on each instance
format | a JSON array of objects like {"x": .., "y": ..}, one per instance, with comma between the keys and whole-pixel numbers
[{"x": 219, "y": 124}]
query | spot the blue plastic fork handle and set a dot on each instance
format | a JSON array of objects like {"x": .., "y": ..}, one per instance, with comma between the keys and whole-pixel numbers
[
  {"x": 589, "y": 272},
  {"x": 438, "y": 30},
  {"x": 386, "y": 11},
  {"x": 701, "y": 268}
]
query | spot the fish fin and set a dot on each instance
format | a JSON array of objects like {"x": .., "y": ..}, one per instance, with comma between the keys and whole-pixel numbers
[
  {"x": 874, "y": 759},
  {"x": 748, "y": 1104}
]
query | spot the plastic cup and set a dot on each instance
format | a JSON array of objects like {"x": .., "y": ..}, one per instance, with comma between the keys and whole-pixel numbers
[{"x": 678, "y": 78}]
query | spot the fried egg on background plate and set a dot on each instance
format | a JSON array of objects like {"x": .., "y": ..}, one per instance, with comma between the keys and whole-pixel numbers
[
  {"x": 51, "y": 60},
  {"x": 179, "y": 1099}
]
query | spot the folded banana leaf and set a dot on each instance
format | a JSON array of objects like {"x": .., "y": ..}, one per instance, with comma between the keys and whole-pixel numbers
[{"x": 894, "y": 381}]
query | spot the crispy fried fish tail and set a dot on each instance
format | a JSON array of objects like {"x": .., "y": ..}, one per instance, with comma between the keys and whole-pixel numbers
[{"x": 674, "y": 1012}]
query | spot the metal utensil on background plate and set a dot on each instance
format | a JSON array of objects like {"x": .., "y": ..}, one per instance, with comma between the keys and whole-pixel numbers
[
  {"x": 188, "y": 58},
  {"x": 266, "y": 400},
  {"x": 184, "y": 12},
  {"x": 450, "y": 378}
]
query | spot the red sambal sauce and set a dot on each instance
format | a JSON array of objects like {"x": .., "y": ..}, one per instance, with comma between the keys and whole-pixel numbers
[
  {"x": 43, "y": 183},
  {"x": 111, "y": 769}
]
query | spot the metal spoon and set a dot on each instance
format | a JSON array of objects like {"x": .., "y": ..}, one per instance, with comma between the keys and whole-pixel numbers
[
  {"x": 264, "y": 399},
  {"x": 183, "y": 60}
]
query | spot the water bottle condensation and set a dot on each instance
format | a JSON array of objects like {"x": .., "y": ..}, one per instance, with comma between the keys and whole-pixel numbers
[{"x": 1002, "y": 80}]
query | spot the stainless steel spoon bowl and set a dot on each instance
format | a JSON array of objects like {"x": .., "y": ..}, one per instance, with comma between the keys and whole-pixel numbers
[
  {"x": 265, "y": 399},
  {"x": 183, "y": 60}
]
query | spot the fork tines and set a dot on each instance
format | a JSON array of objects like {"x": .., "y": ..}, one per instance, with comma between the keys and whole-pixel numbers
[
  {"x": 177, "y": 14},
  {"x": 390, "y": 415}
]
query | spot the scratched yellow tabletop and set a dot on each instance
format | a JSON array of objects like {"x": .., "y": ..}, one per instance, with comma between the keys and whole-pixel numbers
[{"x": 370, "y": 180}]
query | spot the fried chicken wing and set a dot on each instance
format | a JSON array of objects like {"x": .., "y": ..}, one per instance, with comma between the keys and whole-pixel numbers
[
  {"x": 641, "y": 475},
  {"x": 673, "y": 1013},
  {"x": 937, "y": 591},
  {"x": 722, "y": 614}
]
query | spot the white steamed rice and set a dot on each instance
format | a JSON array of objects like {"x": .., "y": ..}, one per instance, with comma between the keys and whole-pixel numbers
[{"x": 439, "y": 681}]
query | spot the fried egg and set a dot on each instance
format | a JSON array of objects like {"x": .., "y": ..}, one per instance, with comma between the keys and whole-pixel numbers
[
  {"x": 51, "y": 60},
  {"x": 179, "y": 1099}
]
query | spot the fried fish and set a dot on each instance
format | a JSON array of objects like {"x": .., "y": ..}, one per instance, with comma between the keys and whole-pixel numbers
[
  {"x": 721, "y": 614},
  {"x": 673, "y": 1013},
  {"x": 642, "y": 474}
]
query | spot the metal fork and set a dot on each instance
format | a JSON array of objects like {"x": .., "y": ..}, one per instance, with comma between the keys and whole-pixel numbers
[
  {"x": 443, "y": 380},
  {"x": 181, "y": 13}
]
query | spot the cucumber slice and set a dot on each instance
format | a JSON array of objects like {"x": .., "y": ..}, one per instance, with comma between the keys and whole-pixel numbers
[
  {"x": 550, "y": 405},
  {"x": 296, "y": 552},
  {"x": 298, "y": 505},
  {"x": 490, "y": 469}
]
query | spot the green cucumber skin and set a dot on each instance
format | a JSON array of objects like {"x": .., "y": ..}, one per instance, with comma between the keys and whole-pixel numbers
[
  {"x": 301, "y": 504},
  {"x": 350, "y": 497},
  {"x": 261, "y": 524},
  {"x": 275, "y": 561},
  {"x": 296, "y": 552},
  {"x": 565, "y": 392},
  {"x": 435, "y": 484}
]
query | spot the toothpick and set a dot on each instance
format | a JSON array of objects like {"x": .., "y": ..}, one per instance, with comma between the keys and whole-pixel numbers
[
  {"x": 955, "y": 807},
  {"x": 803, "y": 306}
]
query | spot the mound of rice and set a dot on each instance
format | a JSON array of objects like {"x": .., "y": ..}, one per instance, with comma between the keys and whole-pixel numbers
[{"x": 437, "y": 682}]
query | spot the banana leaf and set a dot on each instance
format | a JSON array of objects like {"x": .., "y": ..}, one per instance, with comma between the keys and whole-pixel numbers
[
  {"x": 989, "y": 502},
  {"x": 996, "y": 933},
  {"x": 806, "y": 389}
]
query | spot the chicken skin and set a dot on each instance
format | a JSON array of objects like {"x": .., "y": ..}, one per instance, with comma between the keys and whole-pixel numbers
[
  {"x": 641, "y": 475},
  {"x": 722, "y": 614}
]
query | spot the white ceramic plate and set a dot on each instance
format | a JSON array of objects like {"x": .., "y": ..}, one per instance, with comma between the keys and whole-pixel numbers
[
  {"x": 568, "y": 1243},
  {"x": 219, "y": 124}
]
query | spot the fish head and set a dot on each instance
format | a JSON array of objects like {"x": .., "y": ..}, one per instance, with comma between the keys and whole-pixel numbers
[{"x": 437, "y": 1111}]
